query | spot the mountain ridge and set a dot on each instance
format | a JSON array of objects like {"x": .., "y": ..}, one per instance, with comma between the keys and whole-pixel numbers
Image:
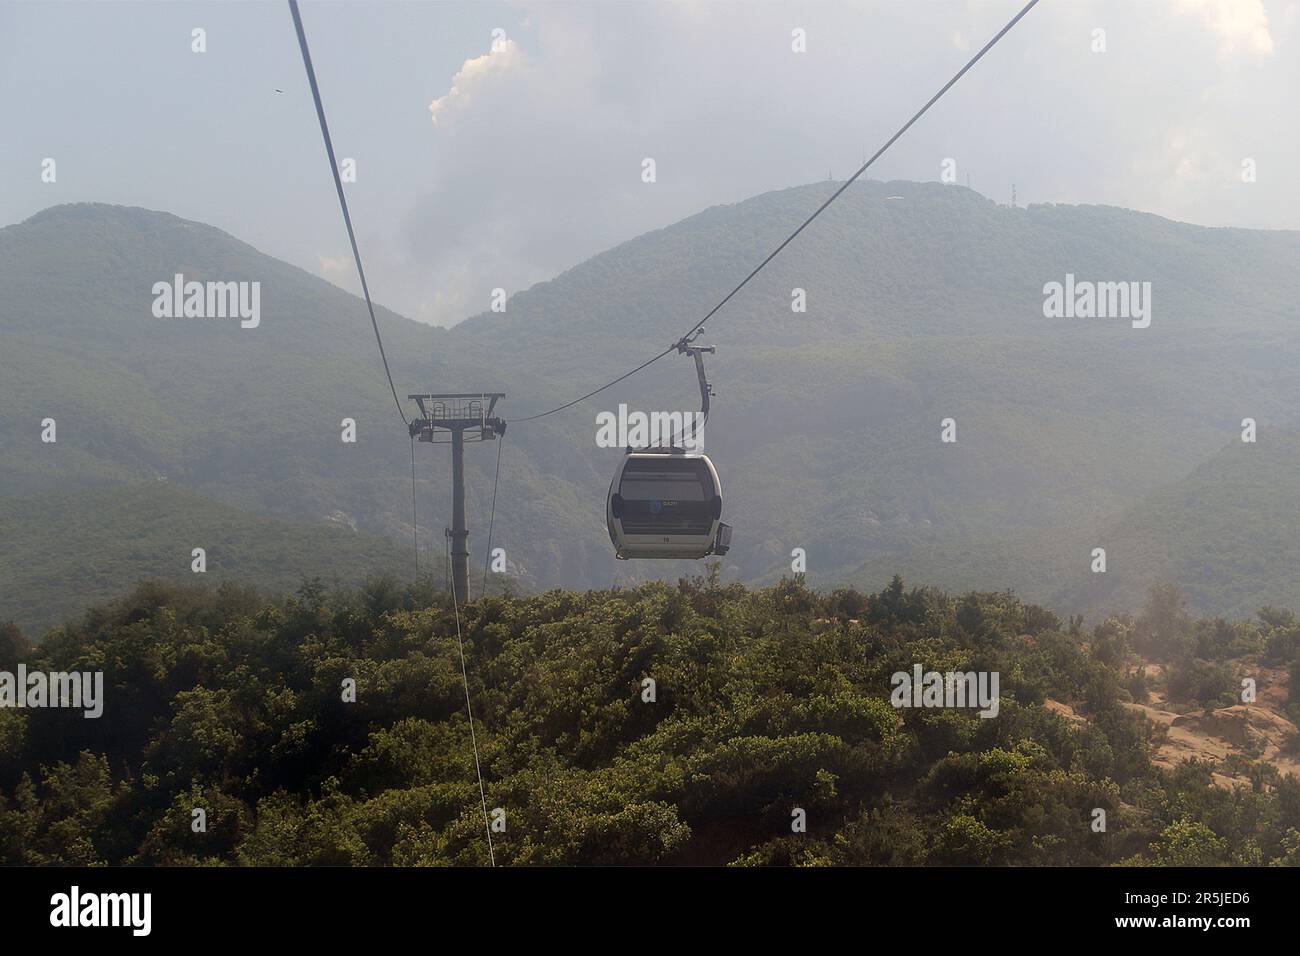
[{"x": 825, "y": 426}]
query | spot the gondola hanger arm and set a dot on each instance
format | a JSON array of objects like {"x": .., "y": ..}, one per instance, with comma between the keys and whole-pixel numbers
[{"x": 684, "y": 346}]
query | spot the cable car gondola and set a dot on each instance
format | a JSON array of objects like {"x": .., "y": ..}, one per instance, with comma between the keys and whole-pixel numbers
[{"x": 667, "y": 502}]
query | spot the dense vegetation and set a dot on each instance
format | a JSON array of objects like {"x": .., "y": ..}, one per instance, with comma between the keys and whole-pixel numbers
[
  {"x": 825, "y": 425},
  {"x": 765, "y": 701}
]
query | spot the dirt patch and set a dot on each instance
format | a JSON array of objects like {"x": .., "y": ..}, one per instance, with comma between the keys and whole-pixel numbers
[
  {"x": 1258, "y": 732},
  {"x": 1065, "y": 710}
]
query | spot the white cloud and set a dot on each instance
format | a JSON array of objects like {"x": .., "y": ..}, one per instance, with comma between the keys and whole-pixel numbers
[
  {"x": 476, "y": 76},
  {"x": 1240, "y": 24}
]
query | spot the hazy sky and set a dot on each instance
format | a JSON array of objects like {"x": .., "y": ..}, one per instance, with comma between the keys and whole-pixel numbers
[{"x": 479, "y": 168}]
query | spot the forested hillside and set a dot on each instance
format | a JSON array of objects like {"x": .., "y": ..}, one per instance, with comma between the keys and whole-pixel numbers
[
  {"x": 764, "y": 703},
  {"x": 58, "y": 545},
  {"x": 924, "y": 302}
]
